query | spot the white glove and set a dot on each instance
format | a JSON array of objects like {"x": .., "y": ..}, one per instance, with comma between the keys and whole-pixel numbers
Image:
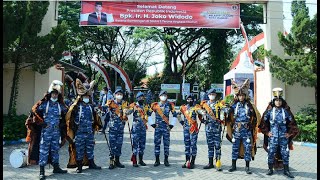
[
  {"x": 173, "y": 121},
  {"x": 150, "y": 120}
]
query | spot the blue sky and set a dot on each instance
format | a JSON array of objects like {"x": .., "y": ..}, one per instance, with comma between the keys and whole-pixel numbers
[{"x": 287, "y": 23}]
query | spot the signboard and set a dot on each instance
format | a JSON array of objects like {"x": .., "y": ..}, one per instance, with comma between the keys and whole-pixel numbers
[
  {"x": 217, "y": 87},
  {"x": 185, "y": 90},
  {"x": 161, "y": 14},
  {"x": 171, "y": 88}
]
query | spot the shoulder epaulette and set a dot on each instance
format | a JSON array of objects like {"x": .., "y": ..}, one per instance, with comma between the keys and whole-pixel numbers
[
  {"x": 202, "y": 102},
  {"x": 154, "y": 104}
]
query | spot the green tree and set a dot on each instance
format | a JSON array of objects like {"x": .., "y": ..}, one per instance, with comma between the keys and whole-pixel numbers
[
  {"x": 301, "y": 45},
  {"x": 154, "y": 83},
  {"x": 136, "y": 71},
  {"x": 22, "y": 46},
  {"x": 117, "y": 44}
]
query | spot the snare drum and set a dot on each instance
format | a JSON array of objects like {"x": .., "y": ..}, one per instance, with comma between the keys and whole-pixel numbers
[{"x": 19, "y": 158}]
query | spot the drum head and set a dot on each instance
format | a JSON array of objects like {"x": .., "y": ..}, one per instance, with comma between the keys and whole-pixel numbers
[{"x": 18, "y": 158}]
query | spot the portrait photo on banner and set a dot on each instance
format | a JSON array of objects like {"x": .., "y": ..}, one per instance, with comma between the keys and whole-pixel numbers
[{"x": 95, "y": 14}]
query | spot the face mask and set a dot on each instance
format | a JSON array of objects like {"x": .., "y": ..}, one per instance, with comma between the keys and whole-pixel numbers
[
  {"x": 54, "y": 99},
  {"x": 86, "y": 100},
  {"x": 211, "y": 97},
  {"x": 163, "y": 98},
  {"x": 190, "y": 103},
  {"x": 119, "y": 97},
  {"x": 140, "y": 101}
]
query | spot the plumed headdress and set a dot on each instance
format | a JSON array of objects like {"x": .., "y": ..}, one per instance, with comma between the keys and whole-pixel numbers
[
  {"x": 277, "y": 92},
  {"x": 55, "y": 85},
  {"x": 241, "y": 89},
  {"x": 84, "y": 88}
]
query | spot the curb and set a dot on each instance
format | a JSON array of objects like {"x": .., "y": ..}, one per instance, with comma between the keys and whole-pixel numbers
[
  {"x": 307, "y": 144},
  {"x": 14, "y": 142}
]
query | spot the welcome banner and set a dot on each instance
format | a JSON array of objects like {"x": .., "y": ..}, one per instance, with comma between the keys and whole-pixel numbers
[{"x": 161, "y": 14}]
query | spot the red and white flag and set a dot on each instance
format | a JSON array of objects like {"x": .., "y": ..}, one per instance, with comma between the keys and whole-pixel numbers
[{"x": 247, "y": 41}]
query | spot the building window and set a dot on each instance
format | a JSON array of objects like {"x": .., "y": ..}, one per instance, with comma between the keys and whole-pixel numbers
[{"x": 195, "y": 88}]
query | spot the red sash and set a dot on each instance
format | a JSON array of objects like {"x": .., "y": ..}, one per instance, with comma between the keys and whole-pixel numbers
[{"x": 192, "y": 123}]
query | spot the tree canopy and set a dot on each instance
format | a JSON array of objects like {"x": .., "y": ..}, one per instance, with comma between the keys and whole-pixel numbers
[
  {"x": 23, "y": 44},
  {"x": 301, "y": 45}
]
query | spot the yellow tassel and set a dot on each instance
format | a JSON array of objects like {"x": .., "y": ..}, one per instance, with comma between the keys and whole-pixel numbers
[{"x": 218, "y": 164}]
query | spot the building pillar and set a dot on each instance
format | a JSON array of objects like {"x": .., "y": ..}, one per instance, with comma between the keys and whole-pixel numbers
[{"x": 265, "y": 81}]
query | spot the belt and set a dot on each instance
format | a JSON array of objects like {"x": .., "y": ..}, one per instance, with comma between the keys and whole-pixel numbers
[
  {"x": 135, "y": 120},
  {"x": 167, "y": 126},
  {"x": 54, "y": 126},
  {"x": 238, "y": 125}
]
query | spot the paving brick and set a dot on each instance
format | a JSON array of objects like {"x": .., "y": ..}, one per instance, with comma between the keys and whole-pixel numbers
[{"x": 303, "y": 162}]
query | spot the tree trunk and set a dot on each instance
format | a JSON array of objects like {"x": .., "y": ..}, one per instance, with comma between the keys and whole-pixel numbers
[{"x": 14, "y": 89}]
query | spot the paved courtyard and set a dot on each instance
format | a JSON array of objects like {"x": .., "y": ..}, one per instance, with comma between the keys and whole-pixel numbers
[{"x": 303, "y": 162}]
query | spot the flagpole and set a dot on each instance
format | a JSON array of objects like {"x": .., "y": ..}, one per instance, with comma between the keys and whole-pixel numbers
[{"x": 251, "y": 59}]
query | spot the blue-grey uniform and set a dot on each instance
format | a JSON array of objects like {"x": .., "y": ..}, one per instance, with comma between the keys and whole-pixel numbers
[
  {"x": 212, "y": 127},
  {"x": 162, "y": 128},
  {"x": 116, "y": 128},
  {"x": 50, "y": 133},
  {"x": 190, "y": 131},
  {"x": 84, "y": 137},
  {"x": 139, "y": 126},
  {"x": 242, "y": 130},
  {"x": 213, "y": 131},
  {"x": 241, "y": 126},
  {"x": 278, "y": 127}
]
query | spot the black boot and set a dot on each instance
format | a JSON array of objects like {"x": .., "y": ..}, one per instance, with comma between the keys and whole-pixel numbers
[
  {"x": 210, "y": 165},
  {"x": 286, "y": 171},
  {"x": 42, "y": 176},
  {"x": 141, "y": 160},
  {"x": 185, "y": 164},
  {"x": 166, "y": 162},
  {"x": 270, "y": 171},
  {"x": 92, "y": 165},
  {"x": 57, "y": 169},
  {"x": 247, "y": 168},
  {"x": 134, "y": 160},
  {"x": 118, "y": 164},
  {"x": 233, "y": 167},
  {"x": 79, "y": 165},
  {"x": 112, "y": 163},
  {"x": 193, "y": 158},
  {"x": 157, "y": 163}
]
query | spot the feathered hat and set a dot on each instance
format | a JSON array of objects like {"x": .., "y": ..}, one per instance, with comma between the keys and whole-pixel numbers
[
  {"x": 241, "y": 89},
  {"x": 277, "y": 92},
  {"x": 55, "y": 85},
  {"x": 84, "y": 88}
]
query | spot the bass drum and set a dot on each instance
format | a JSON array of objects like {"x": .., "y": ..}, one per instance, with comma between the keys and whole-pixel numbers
[{"x": 19, "y": 158}]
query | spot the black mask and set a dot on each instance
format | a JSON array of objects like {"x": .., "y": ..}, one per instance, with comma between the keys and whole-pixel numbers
[{"x": 141, "y": 102}]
